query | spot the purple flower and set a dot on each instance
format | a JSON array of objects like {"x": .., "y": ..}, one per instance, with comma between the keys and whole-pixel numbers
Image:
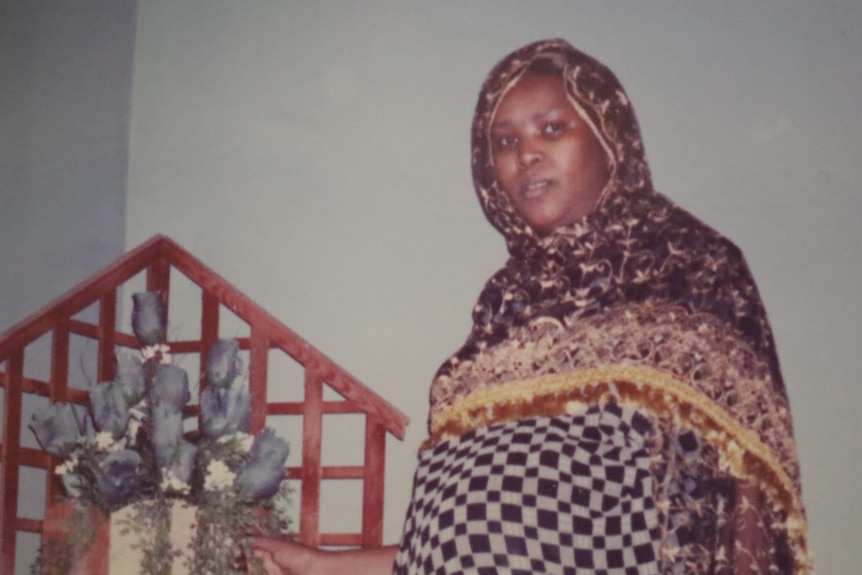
[
  {"x": 170, "y": 387},
  {"x": 131, "y": 377},
  {"x": 223, "y": 363},
  {"x": 56, "y": 429},
  {"x": 109, "y": 409},
  {"x": 181, "y": 461},
  {"x": 118, "y": 476},
  {"x": 225, "y": 411},
  {"x": 166, "y": 433},
  {"x": 263, "y": 471},
  {"x": 149, "y": 317}
]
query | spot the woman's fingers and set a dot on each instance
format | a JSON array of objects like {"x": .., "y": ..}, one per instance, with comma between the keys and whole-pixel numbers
[
  {"x": 282, "y": 556},
  {"x": 270, "y": 545},
  {"x": 269, "y": 566}
]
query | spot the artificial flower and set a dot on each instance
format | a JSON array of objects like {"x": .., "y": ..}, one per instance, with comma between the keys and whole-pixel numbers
[
  {"x": 263, "y": 471},
  {"x": 118, "y": 476},
  {"x": 173, "y": 484},
  {"x": 66, "y": 467},
  {"x": 166, "y": 432},
  {"x": 242, "y": 440},
  {"x": 160, "y": 352},
  {"x": 130, "y": 377},
  {"x": 225, "y": 410},
  {"x": 56, "y": 429},
  {"x": 218, "y": 477},
  {"x": 223, "y": 363},
  {"x": 109, "y": 409},
  {"x": 182, "y": 461},
  {"x": 137, "y": 414},
  {"x": 104, "y": 441},
  {"x": 170, "y": 386},
  {"x": 149, "y": 317}
]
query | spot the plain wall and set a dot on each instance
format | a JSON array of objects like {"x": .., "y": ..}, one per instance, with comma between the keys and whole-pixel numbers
[
  {"x": 65, "y": 88},
  {"x": 65, "y": 85}
]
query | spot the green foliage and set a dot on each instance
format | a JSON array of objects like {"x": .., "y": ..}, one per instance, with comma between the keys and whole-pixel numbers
[
  {"x": 57, "y": 555},
  {"x": 151, "y": 524},
  {"x": 225, "y": 524}
]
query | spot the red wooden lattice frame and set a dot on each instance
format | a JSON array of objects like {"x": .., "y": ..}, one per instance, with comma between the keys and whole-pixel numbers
[{"x": 157, "y": 256}]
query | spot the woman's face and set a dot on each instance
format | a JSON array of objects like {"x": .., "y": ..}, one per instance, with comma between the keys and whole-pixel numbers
[{"x": 548, "y": 161}]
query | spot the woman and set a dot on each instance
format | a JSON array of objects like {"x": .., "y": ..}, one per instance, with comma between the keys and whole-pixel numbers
[{"x": 618, "y": 405}]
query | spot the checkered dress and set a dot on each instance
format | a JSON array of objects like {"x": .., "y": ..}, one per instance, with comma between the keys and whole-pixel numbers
[{"x": 564, "y": 495}]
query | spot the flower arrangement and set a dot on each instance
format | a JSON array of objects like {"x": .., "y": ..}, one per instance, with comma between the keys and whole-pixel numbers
[{"x": 131, "y": 449}]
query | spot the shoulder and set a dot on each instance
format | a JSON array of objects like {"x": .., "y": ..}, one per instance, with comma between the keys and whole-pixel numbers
[{"x": 678, "y": 235}]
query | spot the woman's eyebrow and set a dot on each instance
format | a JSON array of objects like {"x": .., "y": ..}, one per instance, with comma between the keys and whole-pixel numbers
[
  {"x": 549, "y": 112},
  {"x": 505, "y": 124}
]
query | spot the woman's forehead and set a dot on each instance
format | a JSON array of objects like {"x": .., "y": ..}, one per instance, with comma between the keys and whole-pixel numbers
[{"x": 532, "y": 98}]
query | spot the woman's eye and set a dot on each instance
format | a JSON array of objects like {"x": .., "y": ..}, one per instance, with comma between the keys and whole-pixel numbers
[
  {"x": 505, "y": 142},
  {"x": 554, "y": 129}
]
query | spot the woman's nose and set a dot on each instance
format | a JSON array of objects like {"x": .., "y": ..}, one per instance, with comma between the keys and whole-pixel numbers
[{"x": 529, "y": 154}]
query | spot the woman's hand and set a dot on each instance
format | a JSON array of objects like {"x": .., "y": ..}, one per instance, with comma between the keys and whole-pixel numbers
[{"x": 285, "y": 557}]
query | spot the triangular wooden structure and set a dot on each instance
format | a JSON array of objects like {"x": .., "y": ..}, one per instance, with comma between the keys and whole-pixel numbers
[{"x": 156, "y": 258}]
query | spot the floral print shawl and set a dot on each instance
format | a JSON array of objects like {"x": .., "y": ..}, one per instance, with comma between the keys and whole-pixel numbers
[{"x": 641, "y": 304}]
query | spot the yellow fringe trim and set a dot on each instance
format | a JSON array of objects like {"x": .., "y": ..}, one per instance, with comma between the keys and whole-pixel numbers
[{"x": 641, "y": 387}]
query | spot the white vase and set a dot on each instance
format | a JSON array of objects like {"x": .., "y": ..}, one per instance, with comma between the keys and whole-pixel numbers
[{"x": 125, "y": 553}]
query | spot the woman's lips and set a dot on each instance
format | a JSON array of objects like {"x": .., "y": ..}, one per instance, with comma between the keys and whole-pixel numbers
[{"x": 534, "y": 188}]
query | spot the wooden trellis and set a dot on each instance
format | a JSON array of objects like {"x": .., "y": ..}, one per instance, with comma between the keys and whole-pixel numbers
[{"x": 156, "y": 258}]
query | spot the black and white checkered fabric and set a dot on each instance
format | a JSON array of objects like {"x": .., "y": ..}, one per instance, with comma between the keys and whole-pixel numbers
[{"x": 564, "y": 495}]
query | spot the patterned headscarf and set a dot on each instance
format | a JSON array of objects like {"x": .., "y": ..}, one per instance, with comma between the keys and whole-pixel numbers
[
  {"x": 635, "y": 245},
  {"x": 640, "y": 303},
  {"x": 599, "y": 99}
]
